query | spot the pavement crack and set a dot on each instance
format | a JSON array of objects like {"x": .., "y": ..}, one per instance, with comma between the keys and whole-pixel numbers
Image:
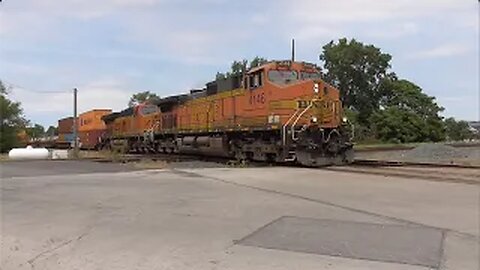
[{"x": 50, "y": 250}]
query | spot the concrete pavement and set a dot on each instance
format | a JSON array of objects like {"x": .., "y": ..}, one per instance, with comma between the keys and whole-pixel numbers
[{"x": 227, "y": 218}]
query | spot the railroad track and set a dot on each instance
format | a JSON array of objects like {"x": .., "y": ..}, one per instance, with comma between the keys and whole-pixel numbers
[
  {"x": 170, "y": 158},
  {"x": 426, "y": 171}
]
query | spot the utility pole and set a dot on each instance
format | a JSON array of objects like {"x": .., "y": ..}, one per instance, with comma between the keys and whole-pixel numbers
[{"x": 75, "y": 140}]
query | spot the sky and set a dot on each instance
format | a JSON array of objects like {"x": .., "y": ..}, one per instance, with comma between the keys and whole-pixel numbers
[{"x": 111, "y": 49}]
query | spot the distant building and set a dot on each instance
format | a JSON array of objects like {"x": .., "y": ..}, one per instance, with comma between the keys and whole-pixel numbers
[{"x": 474, "y": 126}]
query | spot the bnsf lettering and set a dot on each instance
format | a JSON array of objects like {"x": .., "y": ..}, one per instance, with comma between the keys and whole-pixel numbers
[{"x": 302, "y": 104}]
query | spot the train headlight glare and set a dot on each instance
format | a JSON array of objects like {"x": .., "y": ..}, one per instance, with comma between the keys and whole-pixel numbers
[
  {"x": 315, "y": 88},
  {"x": 314, "y": 119},
  {"x": 344, "y": 119}
]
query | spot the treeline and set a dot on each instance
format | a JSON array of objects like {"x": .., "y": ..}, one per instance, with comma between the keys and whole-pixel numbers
[
  {"x": 382, "y": 106},
  {"x": 14, "y": 127}
]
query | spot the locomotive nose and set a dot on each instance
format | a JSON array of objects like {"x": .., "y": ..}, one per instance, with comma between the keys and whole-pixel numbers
[{"x": 324, "y": 111}]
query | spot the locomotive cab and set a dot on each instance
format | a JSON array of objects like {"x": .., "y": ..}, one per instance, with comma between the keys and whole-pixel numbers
[
  {"x": 147, "y": 117},
  {"x": 308, "y": 110},
  {"x": 300, "y": 83}
]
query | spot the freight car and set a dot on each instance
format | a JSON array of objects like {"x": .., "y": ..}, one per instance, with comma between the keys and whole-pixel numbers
[
  {"x": 65, "y": 133},
  {"x": 91, "y": 128},
  {"x": 281, "y": 111}
]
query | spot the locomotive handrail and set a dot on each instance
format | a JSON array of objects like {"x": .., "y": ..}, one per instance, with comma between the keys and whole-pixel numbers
[
  {"x": 298, "y": 118},
  {"x": 284, "y": 127},
  {"x": 151, "y": 130}
]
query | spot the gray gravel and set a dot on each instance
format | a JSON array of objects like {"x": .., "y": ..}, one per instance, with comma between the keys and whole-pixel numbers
[
  {"x": 435, "y": 152},
  {"x": 429, "y": 153}
]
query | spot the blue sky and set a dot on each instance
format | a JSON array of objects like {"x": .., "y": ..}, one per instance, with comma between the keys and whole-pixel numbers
[{"x": 111, "y": 49}]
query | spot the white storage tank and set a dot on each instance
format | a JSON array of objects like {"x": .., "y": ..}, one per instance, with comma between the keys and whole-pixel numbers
[{"x": 28, "y": 153}]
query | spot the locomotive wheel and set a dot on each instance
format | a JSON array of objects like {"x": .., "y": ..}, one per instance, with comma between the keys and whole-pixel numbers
[
  {"x": 239, "y": 155},
  {"x": 348, "y": 156}
]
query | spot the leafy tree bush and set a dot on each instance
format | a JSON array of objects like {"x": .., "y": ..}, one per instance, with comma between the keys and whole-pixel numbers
[
  {"x": 358, "y": 70},
  {"x": 51, "y": 131},
  {"x": 240, "y": 67},
  {"x": 381, "y": 106},
  {"x": 35, "y": 132},
  {"x": 142, "y": 97},
  {"x": 407, "y": 114},
  {"x": 11, "y": 120},
  {"x": 457, "y": 130}
]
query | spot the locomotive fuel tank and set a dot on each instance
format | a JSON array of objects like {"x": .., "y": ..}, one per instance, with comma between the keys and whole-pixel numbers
[{"x": 203, "y": 145}]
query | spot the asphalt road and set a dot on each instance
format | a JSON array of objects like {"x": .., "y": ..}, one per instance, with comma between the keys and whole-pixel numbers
[{"x": 95, "y": 216}]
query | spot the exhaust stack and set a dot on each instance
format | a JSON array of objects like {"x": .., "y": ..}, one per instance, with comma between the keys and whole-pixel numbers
[{"x": 293, "y": 49}]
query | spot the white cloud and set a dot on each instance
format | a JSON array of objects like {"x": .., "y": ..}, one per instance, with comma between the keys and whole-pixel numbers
[
  {"x": 397, "y": 30},
  {"x": 445, "y": 50},
  {"x": 191, "y": 44},
  {"x": 370, "y": 10},
  {"x": 107, "y": 93},
  {"x": 40, "y": 20},
  {"x": 81, "y": 8},
  {"x": 25, "y": 25},
  {"x": 382, "y": 19}
]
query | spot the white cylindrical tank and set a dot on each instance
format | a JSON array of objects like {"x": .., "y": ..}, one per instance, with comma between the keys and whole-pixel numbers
[{"x": 28, "y": 153}]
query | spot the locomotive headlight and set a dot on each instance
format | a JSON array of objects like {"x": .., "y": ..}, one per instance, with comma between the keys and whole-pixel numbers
[
  {"x": 344, "y": 119},
  {"x": 315, "y": 88},
  {"x": 314, "y": 119}
]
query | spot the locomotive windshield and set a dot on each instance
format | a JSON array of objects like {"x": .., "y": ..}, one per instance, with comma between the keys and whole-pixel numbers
[
  {"x": 148, "y": 109},
  {"x": 310, "y": 75},
  {"x": 282, "y": 76}
]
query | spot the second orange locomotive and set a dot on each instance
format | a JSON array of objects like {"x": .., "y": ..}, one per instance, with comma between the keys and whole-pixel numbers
[{"x": 280, "y": 111}]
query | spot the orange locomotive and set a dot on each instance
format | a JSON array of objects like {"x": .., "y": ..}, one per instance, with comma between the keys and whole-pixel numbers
[{"x": 281, "y": 111}]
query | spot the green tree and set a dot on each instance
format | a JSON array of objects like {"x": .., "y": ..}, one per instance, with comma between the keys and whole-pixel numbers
[
  {"x": 407, "y": 114},
  {"x": 35, "y": 132},
  {"x": 407, "y": 95},
  {"x": 11, "y": 120},
  {"x": 362, "y": 133},
  {"x": 257, "y": 61},
  {"x": 220, "y": 76},
  {"x": 457, "y": 130},
  {"x": 240, "y": 67},
  {"x": 51, "y": 131},
  {"x": 142, "y": 97},
  {"x": 358, "y": 70}
]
